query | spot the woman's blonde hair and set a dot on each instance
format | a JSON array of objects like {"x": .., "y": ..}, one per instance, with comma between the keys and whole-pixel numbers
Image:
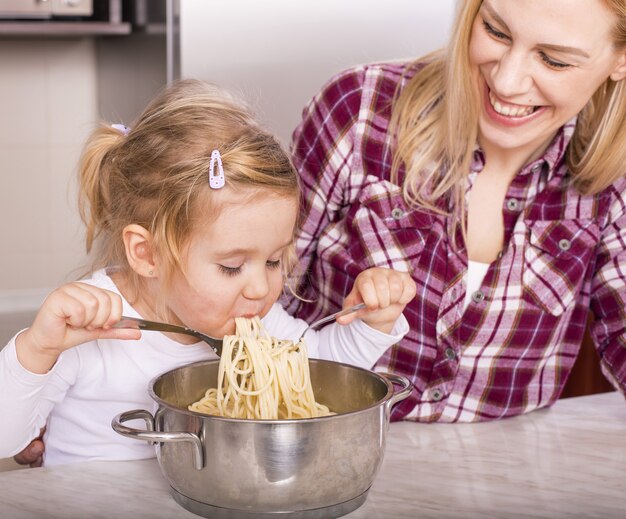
[
  {"x": 157, "y": 175},
  {"x": 435, "y": 123}
]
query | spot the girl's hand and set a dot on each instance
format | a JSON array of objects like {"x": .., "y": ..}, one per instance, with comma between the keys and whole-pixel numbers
[
  {"x": 385, "y": 292},
  {"x": 73, "y": 314}
]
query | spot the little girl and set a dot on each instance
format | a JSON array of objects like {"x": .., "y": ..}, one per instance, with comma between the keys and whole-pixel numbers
[{"x": 191, "y": 216}]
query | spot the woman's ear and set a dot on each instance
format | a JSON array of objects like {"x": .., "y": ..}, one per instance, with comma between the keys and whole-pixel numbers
[
  {"x": 619, "y": 72},
  {"x": 139, "y": 253}
]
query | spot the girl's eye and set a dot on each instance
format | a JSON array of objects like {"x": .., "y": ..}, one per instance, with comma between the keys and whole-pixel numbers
[
  {"x": 551, "y": 63},
  {"x": 494, "y": 32},
  {"x": 229, "y": 271},
  {"x": 273, "y": 264}
]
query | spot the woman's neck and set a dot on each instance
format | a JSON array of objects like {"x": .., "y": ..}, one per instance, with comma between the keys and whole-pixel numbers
[{"x": 509, "y": 161}]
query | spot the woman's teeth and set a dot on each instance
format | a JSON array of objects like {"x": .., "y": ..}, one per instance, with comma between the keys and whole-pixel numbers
[{"x": 510, "y": 110}]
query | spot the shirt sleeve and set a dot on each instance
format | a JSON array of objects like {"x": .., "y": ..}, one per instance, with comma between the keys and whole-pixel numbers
[
  {"x": 356, "y": 343},
  {"x": 608, "y": 294},
  {"x": 26, "y": 399},
  {"x": 322, "y": 152}
]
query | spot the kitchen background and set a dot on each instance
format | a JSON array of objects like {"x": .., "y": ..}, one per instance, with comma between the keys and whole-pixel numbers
[
  {"x": 64, "y": 71},
  {"x": 59, "y": 80}
]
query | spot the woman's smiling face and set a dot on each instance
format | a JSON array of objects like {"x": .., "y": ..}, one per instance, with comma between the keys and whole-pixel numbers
[{"x": 537, "y": 63}]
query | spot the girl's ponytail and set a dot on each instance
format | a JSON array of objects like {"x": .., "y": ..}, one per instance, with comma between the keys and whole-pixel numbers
[{"x": 96, "y": 169}]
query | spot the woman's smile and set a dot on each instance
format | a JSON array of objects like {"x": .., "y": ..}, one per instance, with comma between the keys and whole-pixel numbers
[{"x": 509, "y": 114}]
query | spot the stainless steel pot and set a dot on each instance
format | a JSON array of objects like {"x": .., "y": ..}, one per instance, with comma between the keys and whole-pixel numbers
[{"x": 306, "y": 468}]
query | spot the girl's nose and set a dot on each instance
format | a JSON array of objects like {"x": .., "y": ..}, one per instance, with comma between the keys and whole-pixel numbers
[
  {"x": 257, "y": 286},
  {"x": 511, "y": 75}
]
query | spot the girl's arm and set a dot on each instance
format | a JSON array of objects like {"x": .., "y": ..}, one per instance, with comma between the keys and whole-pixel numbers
[
  {"x": 32, "y": 376},
  {"x": 361, "y": 341},
  {"x": 27, "y": 398}
]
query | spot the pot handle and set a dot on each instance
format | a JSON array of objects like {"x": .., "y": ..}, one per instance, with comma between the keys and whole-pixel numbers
[
  {"x": 151, "y": 435},
  {"x": 400, "y": 380}
]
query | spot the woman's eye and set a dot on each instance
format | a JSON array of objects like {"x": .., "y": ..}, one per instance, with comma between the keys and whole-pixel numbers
[
  {"x": 494, "y": 32},
  {"x": 229, "y": 271},
  {"x": 552, "y": 63},
  {"x": 273, "y": 264}
]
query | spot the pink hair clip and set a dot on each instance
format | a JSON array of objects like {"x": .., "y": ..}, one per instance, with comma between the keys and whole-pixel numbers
[
  {"x": 216, "y": 181},
  {"x": 123, "y": 129}
]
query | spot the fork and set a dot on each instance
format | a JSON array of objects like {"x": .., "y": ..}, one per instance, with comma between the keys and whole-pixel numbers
[
  {"x": 331, "y": 317},
  {"x": 215, "y": 343},
  {"x": 143, "y": 324}
]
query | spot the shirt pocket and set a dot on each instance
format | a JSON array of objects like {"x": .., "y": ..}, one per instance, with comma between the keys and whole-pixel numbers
[
  {"x": 556, "y": 259},
  {"x": 386, "y": 231}
]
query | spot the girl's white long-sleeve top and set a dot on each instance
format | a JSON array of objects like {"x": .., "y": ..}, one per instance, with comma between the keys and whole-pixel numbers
[{"x": 93, "y": 382}]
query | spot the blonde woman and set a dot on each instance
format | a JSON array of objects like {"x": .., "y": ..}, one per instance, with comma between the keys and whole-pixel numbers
[
  {"x": 190, "y": 216},
  {"x": 493, "y": 172}
]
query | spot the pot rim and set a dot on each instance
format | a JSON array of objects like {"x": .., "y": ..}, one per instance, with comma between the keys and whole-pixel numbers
[{"x": 380, "y": 402}]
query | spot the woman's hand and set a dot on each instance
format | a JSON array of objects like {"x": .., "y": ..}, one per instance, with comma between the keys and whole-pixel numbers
[
  {"x": 73, "y": 314},
  {"x": 385, "y": 292},
  {"x": 32, "y": 454}
]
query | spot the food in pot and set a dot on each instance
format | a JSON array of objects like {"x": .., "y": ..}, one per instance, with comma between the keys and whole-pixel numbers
[{"x": 261, "y": 377}]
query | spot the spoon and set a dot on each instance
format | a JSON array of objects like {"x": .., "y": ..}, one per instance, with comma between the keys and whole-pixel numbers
[{"x": 143, "y": 324}]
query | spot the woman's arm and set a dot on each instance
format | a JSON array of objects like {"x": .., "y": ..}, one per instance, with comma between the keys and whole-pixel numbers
[
  {"x": 322, "y": 152},
  {"x": 608, "y": 292}
]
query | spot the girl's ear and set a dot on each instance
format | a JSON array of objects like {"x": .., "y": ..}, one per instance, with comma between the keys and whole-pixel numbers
[
  {"x": 619, "y": 72},
  {"x": 139, "y": 253}
]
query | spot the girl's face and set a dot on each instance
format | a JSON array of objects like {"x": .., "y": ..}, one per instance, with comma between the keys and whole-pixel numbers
[
  {"x": 537, "y": 63},
  {"x": 234, "y": 262}
]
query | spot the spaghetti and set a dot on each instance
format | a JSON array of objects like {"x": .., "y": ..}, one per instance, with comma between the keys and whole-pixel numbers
[{"x": 261, "y": 377}]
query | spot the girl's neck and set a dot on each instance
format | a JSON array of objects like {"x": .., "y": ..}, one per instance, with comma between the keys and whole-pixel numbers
[{"x": 143, "y": 305}]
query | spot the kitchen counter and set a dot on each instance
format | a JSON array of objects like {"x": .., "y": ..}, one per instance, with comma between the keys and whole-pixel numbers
[{"x": 565, "y": 462}]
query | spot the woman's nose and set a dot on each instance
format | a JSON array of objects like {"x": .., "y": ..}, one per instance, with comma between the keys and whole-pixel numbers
[{"x": 511, "y": 75}]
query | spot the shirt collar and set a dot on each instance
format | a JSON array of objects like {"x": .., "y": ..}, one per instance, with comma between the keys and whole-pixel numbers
[{"x": 551, "y": 159}]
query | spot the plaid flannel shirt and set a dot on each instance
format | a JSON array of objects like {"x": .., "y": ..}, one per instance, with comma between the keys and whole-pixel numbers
[{"x": 511, "y": 350}]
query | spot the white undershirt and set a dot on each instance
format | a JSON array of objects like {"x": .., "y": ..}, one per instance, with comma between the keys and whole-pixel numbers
[{"x": 473, "y": 279}]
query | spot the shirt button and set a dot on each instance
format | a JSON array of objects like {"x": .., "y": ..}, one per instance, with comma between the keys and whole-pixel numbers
[
  {"x": 478, "y": 296},
  {"x": 397, "y": 213},
  {"x": 512, "y": 204},
  {"x": 536, "y": 167},
  {"x": 450, "y": 354},
  {"x": 565, "y": 245},
  {"x": 437, "y": 395}
]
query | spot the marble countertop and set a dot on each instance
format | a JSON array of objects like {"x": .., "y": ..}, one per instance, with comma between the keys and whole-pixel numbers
[{"x": 565, "y": 462}]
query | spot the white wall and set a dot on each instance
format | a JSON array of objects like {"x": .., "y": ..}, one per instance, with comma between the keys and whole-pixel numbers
[
  {"x": 278, "y": 53},
  {"x": 48, "y": 104},
  {"x": 52, "y": 93}
]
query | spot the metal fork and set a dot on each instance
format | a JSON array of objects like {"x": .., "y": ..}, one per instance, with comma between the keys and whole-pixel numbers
[
  {"x": 144, "y": 324},
  {"x": 215, "y": 343},
  {"x": 331, "y": 317}
]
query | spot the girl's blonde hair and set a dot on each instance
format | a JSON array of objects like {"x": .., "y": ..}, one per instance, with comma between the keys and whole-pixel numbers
[
  {"x": 435, "y": 123},
  {"x": 157, "y": 175}
]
